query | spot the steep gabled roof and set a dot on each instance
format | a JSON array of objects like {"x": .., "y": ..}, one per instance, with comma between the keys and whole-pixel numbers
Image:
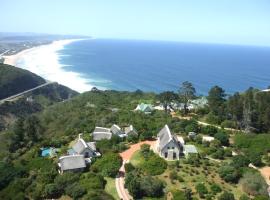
[
  {"x": 130, "y": 129},
  {"x": 80, "y": 146},
  {"x": 115, "y": 129},
  {"x": 165, "y": 136},
  {"x": 72, "y": 162}
]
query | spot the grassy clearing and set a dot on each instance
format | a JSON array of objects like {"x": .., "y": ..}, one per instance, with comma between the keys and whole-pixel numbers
[
  {"x": 136, "y": 159},
  {"x": 110, "y": 188}
]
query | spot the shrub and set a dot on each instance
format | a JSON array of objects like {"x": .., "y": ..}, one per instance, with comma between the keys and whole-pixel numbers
[
  {"x": 222, "y": 137},
  {"x": 173, "y": 175},
  {"x": 201, "y": 190},
  {"x": 52, "y": 191},
  {"x": 229, "y": 174},
  {"x": 244, "y": 197},
  {"x": 240, "y": 161},
  {"x": 154, "y": 165},
  {"x": 129, "y": 167},
  {"x": 75, "y": 190},
  {"x": 209, "y": 130},
  {"x": 108, "y": 165},
  {"x": 226, "y": 196},
  {"x": 253, "y": 183},
  {"x": 215, "y": 188}
]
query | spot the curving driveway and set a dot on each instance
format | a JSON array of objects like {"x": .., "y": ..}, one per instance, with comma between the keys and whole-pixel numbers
[{"x": 120, "y": 179}]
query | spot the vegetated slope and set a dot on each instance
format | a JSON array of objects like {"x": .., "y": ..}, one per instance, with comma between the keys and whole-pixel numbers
[{"x": 14, "y": 80}]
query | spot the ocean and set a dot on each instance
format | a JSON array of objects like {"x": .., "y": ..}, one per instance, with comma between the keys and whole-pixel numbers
[{"x": 150, "y": 65}]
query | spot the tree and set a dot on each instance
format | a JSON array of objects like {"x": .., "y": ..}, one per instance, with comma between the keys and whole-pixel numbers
[
  {"x": 52, "y": 191},
  {"x": 226, "y": 196},
  {"x": 222, "y": 137},
  {"x": 239, "y": 161},
  {"x": 17, "y": 135},
  {"x": 166, "y": 98},
  {"x": 33, "y": 128},
  {"x": 75, "y": 190},
  {"x": 108, "y": 165},
  {"x": 229, "y": 173},
  {"x": 216, "y": 100},
  {"x": 186, "y": 93}
]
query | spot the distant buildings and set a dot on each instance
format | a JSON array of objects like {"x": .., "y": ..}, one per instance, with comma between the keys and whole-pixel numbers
[
  {"x": 145, "y": 108},
  {"x": 101, "y": 133}
]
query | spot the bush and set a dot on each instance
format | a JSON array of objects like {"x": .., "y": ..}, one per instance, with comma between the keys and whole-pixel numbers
[
  {"x": 209, "y": 130},
  {"x": 129, "y": 167},
  {"x": 108, "y": 165},
  {"x": 261, "y": 198},
  {"x": 226, "y": 196},
  {"x": 253, "y": 183},
  {"x": 239, "y": 161},
  {"x": 223, "y": 138},
  {"x": 52, "y": 191},
  {"x": 215, "y": 188},
  {"x": 201, "y": 190},
  {"x": 229, "y": 174},
  {"x": 75, "y": 190},
  {"x": 154, "y": 165},
  {"x": 173, "y": 175},
  {"x": 244, "y": 197}
]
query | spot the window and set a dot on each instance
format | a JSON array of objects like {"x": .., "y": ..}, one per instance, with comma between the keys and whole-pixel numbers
[
  {"x": 168, "y": 147},
  {"x": 166, "y": 154},
  {"x": 172, "y": 147},
  {"x": 174, "y": 155}
]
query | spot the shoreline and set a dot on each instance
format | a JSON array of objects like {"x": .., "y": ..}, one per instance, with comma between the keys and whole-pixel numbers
[
  {"x": 12, "y": 59},
  {"x": 44, "y": 60}
]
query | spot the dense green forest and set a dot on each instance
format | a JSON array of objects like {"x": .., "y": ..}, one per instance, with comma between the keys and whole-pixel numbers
[{"x": 14, "y": 80}]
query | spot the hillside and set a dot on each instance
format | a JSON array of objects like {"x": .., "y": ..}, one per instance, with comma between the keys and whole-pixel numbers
[{"x": 14, "y": 80}]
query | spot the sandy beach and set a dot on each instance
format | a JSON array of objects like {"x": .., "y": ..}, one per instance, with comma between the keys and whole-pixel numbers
[
  {"x": 44, "y": 61},
  {"x": 12, "y": 59}
]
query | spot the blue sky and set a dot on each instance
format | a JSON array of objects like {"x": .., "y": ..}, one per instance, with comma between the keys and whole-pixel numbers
[{"x": 213, "y": 21}]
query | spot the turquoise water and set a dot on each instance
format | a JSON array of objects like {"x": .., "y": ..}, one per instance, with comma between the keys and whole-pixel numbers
[{"x": 159, "y": 66}]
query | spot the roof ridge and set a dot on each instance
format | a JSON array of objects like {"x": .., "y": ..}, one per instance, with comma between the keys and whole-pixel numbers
[
  {"x": 74, "y": 155},
  {"x": 169, "y": 132},
  {"x": 84, "y": 143}
]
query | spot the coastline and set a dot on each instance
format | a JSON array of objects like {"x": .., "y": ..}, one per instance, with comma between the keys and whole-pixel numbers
[
  {"x": 44, "y": 60},
  {"x": 12, "y": 59}
]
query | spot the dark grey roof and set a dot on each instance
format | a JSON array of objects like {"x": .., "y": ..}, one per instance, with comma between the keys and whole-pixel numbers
[
  {"x": 102, "y": 135},
  {"x": 190, "y": 149},
  {"x": 165, "y": 136},
  {"x": 80, "y": 146},
  {"x": 72, "y": 162},
  {"x": 92, "y": 145},
  {"x": 130, "y": 130},
  {"x": 101, "y": 129},
  {"x": 116, "y": 130}
]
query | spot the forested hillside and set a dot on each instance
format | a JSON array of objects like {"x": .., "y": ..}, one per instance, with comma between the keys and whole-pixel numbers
[{"x": 14, "y": 80}]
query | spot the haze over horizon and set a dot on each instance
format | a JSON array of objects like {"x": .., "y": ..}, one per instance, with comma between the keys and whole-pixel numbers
[{"x": 244, "y": 22}]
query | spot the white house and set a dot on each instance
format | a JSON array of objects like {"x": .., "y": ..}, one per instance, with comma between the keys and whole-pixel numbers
[
  {"x": 168, "y": 146},
  {"x": 74, "y": 163}
]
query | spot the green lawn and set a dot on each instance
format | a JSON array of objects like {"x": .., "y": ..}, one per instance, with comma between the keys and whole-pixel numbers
[
  {"x": 110, "y": 188},
  {"x": 136, "y": 159}
]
